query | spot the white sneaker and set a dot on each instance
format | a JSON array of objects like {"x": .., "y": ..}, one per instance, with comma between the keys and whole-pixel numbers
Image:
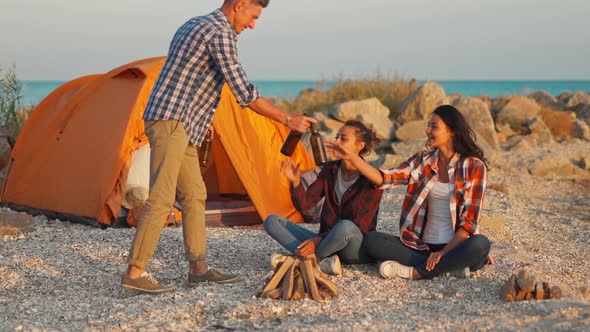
[
  {"x": 393, "y": 269},
  {"x": 331, "y": 265},
  {"x": 461, "y": 273},
  {"x": 275, "y": 259}
]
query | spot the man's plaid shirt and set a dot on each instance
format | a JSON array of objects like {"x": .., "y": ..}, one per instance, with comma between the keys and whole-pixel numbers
[
  {"x": 202, "y": 56},
  {"x": 467, "y": 177}
]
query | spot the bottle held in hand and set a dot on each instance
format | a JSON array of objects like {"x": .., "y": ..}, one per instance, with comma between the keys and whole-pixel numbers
[
  {"x": 205, "y": 150},
  {"x": 291, "y": 143},
  {"x": 317, "y": 147}
]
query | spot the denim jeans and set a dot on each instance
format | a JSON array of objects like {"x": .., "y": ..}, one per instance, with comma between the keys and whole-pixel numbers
[
  {"x": 471, "y": 253},
  {"x": 344, "y": 239}
]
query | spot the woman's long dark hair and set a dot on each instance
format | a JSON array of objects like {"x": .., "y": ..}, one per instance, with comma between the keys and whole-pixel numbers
[{"x": 464, "y": 136}]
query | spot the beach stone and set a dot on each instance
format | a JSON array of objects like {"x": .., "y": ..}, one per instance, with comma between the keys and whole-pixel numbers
[
  {"x": 581, "y": 130},
  {"x": 508, "y": 290},
  {"x": 479, "y": 117},
  {"x": 525, "y": 281},
  {"x": 553, "y": 164},
  {"x": 407, "y": 149},
  {"x": 545, "y": 99},
  {"x": 564, "y": 96},
  {"x": 420, "y": 104},
  {"x": 560, "y": 123},
  {"x": 582, "y": 112},
  {"x": 369, "y": 111},
  {"x": 498, "y": 103},
  {"x": 12, "y": 223},
  {"x": 518, "y": 112},
  {"x": 392, "y": 161},
  {"x": 577, "y": 99},
  {"x": 412, "y": 130},
  {"x": 539, "y": 129},
  {"x": 504, "y": 131},
  {"x": 521, "y": 143}
]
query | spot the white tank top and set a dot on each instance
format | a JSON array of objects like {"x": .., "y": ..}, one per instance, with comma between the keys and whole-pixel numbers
[
  {"x": 439, "y": 229},
  {"x": 342, "y": 186}
]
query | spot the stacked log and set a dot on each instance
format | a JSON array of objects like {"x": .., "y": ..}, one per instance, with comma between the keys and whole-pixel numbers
[
  {"x": 523, "y": 286},
  {"x": 296, "y": 279}
]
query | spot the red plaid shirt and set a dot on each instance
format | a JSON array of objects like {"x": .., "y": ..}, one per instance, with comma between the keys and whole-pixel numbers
[
  {"x": 467, "y": 177},
  {"x": 359, "y": 204}
]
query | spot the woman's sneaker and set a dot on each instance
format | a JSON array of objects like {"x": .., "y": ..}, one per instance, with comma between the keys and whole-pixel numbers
[
  {"x": 331, "y": 265},
  {"x": 393, "y": 269}
]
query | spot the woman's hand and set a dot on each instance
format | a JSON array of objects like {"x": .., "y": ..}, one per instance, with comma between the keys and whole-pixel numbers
[
  {"x": 335, "y": 150},
  {"x": 291, "y": 172},
  {"x": 308, "y": 247},
  {"x": 433, "y": 259}
]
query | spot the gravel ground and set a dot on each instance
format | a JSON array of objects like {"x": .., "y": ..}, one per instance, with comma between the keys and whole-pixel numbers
[{"x": 65, "y": 276}]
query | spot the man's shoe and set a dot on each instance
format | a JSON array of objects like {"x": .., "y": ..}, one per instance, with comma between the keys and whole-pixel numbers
[
  {"x": 393, "y": 269},
  {"x": 275, "y": 259},
  {"x": 214, "y": 276},
  {"x": 461, "y": 273},
  {"x": 145, "y": 283},
  {"x": 331, "y": 265}
]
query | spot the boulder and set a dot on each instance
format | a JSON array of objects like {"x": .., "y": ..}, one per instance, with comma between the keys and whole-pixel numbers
[
  {"x": 392, "y": 161},
  {"x": 577, "y": 99},
  {"x": 420, "y": 104},
  {"x": 582, "y": 112},
  {"x": 581, "y": 130},
  {"x": 539, "y": 129},
  {"x": 554, "y": 164},
  {"x": 478, "y": 116},
  {"x": 546, "y": 100},
  {"x": 412, "y": 130},
  {"x": 369, "y": 111},
  {"x": 13, "y": 223},
  {"x": 498, "y": 103},
  {"x": 564, "y": 96},
  {"x": 517, "y": 113},
  {"x": 560, "y": 123},
  {"x": 521, "y": 143},
  {"x": 408, "y": 148}
]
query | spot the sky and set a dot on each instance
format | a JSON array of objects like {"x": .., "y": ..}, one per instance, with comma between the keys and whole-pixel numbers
[{"x": 312, "y": 39}]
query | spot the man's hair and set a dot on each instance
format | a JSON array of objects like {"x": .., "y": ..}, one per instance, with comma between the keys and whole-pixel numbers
[{"x": 262, "y": 3}]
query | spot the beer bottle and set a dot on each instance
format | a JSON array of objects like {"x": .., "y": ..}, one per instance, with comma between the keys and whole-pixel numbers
[
  {"x": 317, "y": 146},
  {"x": 291, "y": 143},
  {"x": 205, "y": 150}
]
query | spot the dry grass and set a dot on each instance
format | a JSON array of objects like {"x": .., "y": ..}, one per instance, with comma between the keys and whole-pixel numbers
[{"x": 391, "y": 91}]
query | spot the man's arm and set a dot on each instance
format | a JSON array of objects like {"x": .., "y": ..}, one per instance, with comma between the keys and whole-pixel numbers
[{"x": 294, "y": 121}]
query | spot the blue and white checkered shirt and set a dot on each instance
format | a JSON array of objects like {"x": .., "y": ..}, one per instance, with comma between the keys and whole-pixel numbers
[{"x": 202, "y": 56}]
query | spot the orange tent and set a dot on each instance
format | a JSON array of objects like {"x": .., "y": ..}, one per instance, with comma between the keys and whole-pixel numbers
[{"x": 73, "y": 155}]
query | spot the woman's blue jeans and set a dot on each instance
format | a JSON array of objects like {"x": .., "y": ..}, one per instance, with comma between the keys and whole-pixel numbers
[
  {"x": 344, "y": 239},
  {"x": 471, "y": 253}
]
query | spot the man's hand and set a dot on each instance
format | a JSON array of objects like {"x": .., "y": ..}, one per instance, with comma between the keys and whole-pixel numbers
[
  {"x": 211, "y": 131},
  {"x": 299, "y": 123},
  {"x": 308, "y": 247}
]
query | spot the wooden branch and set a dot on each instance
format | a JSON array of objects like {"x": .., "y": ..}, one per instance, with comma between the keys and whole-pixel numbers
[
  {"x": 326, "y": 283},
  {"x": 287, "y": 286},
  {"x": 280, "y": 271},
  {"x": 309, "y": 279}
]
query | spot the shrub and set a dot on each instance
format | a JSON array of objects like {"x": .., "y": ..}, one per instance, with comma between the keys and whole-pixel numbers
[
  {"x": 12, "y": 115},
  {"x": 391, "y": 91}
]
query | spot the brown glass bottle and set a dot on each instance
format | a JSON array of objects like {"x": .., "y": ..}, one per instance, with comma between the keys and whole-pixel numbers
[
  {"x": 291, "y": 143},
  {"x": 317, "y": 147},
  {"x": 205, "y": 150}
]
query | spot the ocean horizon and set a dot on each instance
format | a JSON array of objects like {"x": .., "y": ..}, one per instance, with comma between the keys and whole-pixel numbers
[{"x": 34, "y": 92}]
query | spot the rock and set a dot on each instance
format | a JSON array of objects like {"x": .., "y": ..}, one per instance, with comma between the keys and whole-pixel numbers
[
  {"x": 555, "y": 292},
  {"x": 508, "y": 290},
  {"x": 478, "y": 116},
  {"x": 330, "y": 127},
  {"x": 392, "y": 161},
  {"x": 504, "y": 131},
  {"x": 521, "y": 143},
  {"x": 12, "y": 223},
  {"x": 577, "y": 99},
  {"x": 564, "y": 96},
  {"x": 407, "y": 149},
  {"x": 525, "y": 281},
  {"x": 582, "y": 112},
  {"x": 494, "y": 224},
  {"x": 541, "y": 131},
  {"x": 420, "y": 104},
  {"x": 585, "y": 291},
  {"x": 560, "y": 123},
  {"x": 498, "y": 103},
  {"x": 369, "y": 111},
  {"x": 553, "y": 165},
  {"x": 545, "y": 99},
  {"x": 517, "y": 113},
  {"x": 581, "y": 130},
  {"x": 412, "y": 130}
]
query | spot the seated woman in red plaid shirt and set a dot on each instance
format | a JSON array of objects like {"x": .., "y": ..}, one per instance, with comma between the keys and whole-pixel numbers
[
  {"x": 440, "y": 213},
  {"x": 349, "y": 211}
]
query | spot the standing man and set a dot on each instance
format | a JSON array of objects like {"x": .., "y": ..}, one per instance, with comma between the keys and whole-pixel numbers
[{"x": 202, "y": 57}]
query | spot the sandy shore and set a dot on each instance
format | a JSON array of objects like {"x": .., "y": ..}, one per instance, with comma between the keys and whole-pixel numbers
[{"x": 65, "y": 276}]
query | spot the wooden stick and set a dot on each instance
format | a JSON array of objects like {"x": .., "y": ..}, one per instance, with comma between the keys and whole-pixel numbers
[
  {"x": 327, "y": 283},
  {"x": 287, "y": 286},
  {"x": 278, "y": 275},
  {"x": 299, "y": 287},
  {"x": 271, "y": 294},
  {"x": 309, "y": 279}
]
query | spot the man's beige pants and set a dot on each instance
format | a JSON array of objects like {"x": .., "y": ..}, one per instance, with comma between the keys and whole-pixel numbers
[{"x": 174, "y": 172}]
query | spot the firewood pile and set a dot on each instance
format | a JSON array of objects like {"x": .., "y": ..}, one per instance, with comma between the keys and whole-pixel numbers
[
  {"x": 523, "y": 286},
  {"x": 296, "y": 279}
]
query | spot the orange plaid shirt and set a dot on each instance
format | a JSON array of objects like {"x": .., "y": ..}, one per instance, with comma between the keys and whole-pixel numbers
[{"x": 467, "y": 177}]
